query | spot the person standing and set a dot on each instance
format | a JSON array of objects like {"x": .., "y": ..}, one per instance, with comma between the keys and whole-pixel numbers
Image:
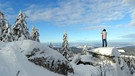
[{"x": 104, "y": 38}]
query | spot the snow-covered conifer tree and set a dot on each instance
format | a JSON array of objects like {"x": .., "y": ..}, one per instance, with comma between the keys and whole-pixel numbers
[
  {"x": 32, "y": 33},
  {"x": 7, "y": 35},
  {"x": 65, "y": 47},
  {"x": 35, "y": 34},
  {"x": 2, "y": 24},
  {"x": 84, "y": 50},
  {"x": 51, "y": 46},
  {"x": 20, "y": 30}
]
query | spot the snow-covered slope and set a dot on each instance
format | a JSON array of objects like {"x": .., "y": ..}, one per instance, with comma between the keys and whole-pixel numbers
[
  {"x": 14, "y": 63},
  {"x": 27, "y": 46},
  {"x": 44, "y": 56},
  {"x": 105, "y": 62}
]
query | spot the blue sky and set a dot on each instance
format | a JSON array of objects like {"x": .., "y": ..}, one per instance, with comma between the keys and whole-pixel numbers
[{"x": 83, "y": 20}]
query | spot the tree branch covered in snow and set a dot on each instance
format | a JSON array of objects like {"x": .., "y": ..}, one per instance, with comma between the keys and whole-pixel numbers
[{"x": 19, "y": 31}]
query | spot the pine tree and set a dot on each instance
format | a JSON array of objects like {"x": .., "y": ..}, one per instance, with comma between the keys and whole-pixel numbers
[
  {"x": 32, "y": 33},
  {"x": 84, "y": 50},
  {"x": 65, "y": 47},
  {"x": 20, "y": 30},
  {"x": 51, "y": 46},
  {"x": 2, "y": 24},
  {"x": 35, "y": 34},
  {"x": 7, "y": 35}
]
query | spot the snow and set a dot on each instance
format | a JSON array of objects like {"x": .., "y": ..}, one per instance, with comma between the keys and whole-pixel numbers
[
  {"x": 20, "y": 30},
  {"x": 85, "y": 70},
  {"x": 75, "y": 60},
  {"x": 102, "y": 67},
  {"x": 121, "y": 50},
  {"x": 89, "y": 58},
  {"x": 13, "y": 61},
  {"x": 27, "y": 46},
  {"x": 108, "y": 51},
  {"x": 121, "y": 69},
  {"x": 86, "y": 58}
]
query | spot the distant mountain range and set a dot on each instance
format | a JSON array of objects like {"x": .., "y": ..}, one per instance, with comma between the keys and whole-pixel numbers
[
  {"x": 129, "y": 50},
  {"x": 77, "y": 47}
]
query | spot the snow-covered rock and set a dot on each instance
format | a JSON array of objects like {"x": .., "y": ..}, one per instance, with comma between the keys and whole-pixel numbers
[
  {"x": 107, "y": 51},
  {"x": 89, "y": 59},
  {"x": 86, "y": 70},
  {"x": 75, "y": 59},
  {"x": 44, "y": 56},
  {"x": 103, "y": 62},
  {"x": 121, "y": 50},
  {"x": 14, "y": 63}
]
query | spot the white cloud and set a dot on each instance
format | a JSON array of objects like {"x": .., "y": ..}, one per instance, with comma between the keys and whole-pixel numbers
[
  {"x": 94, "y": 27},
  {"x": 132, "y": 22},
  {"x": 2, "y": 5},
  {"x": 8, "y": 11},
  {"x": 5, "y": 7},
  {"x": 129, "y": 36},
  {"x": 72, "y": 12},
  {"x": 131, "y": 5}
]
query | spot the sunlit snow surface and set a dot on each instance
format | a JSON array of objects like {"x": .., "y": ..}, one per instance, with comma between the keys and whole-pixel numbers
[{"x": 13, "y": 61}]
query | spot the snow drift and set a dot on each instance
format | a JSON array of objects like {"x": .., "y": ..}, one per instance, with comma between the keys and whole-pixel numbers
[
  {"x": 14, "y": 63},
  {"x": 44, "y": 56},
  {"x": 14, "y": 58},
  {"x": 101, "y": 62}
]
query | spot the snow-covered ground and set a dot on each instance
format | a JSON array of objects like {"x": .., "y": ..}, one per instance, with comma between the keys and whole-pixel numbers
[
  {"x": 107, "y": 63},
  {"x": 13, "y": 61},
  {"x": 108, "y": 51}
]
